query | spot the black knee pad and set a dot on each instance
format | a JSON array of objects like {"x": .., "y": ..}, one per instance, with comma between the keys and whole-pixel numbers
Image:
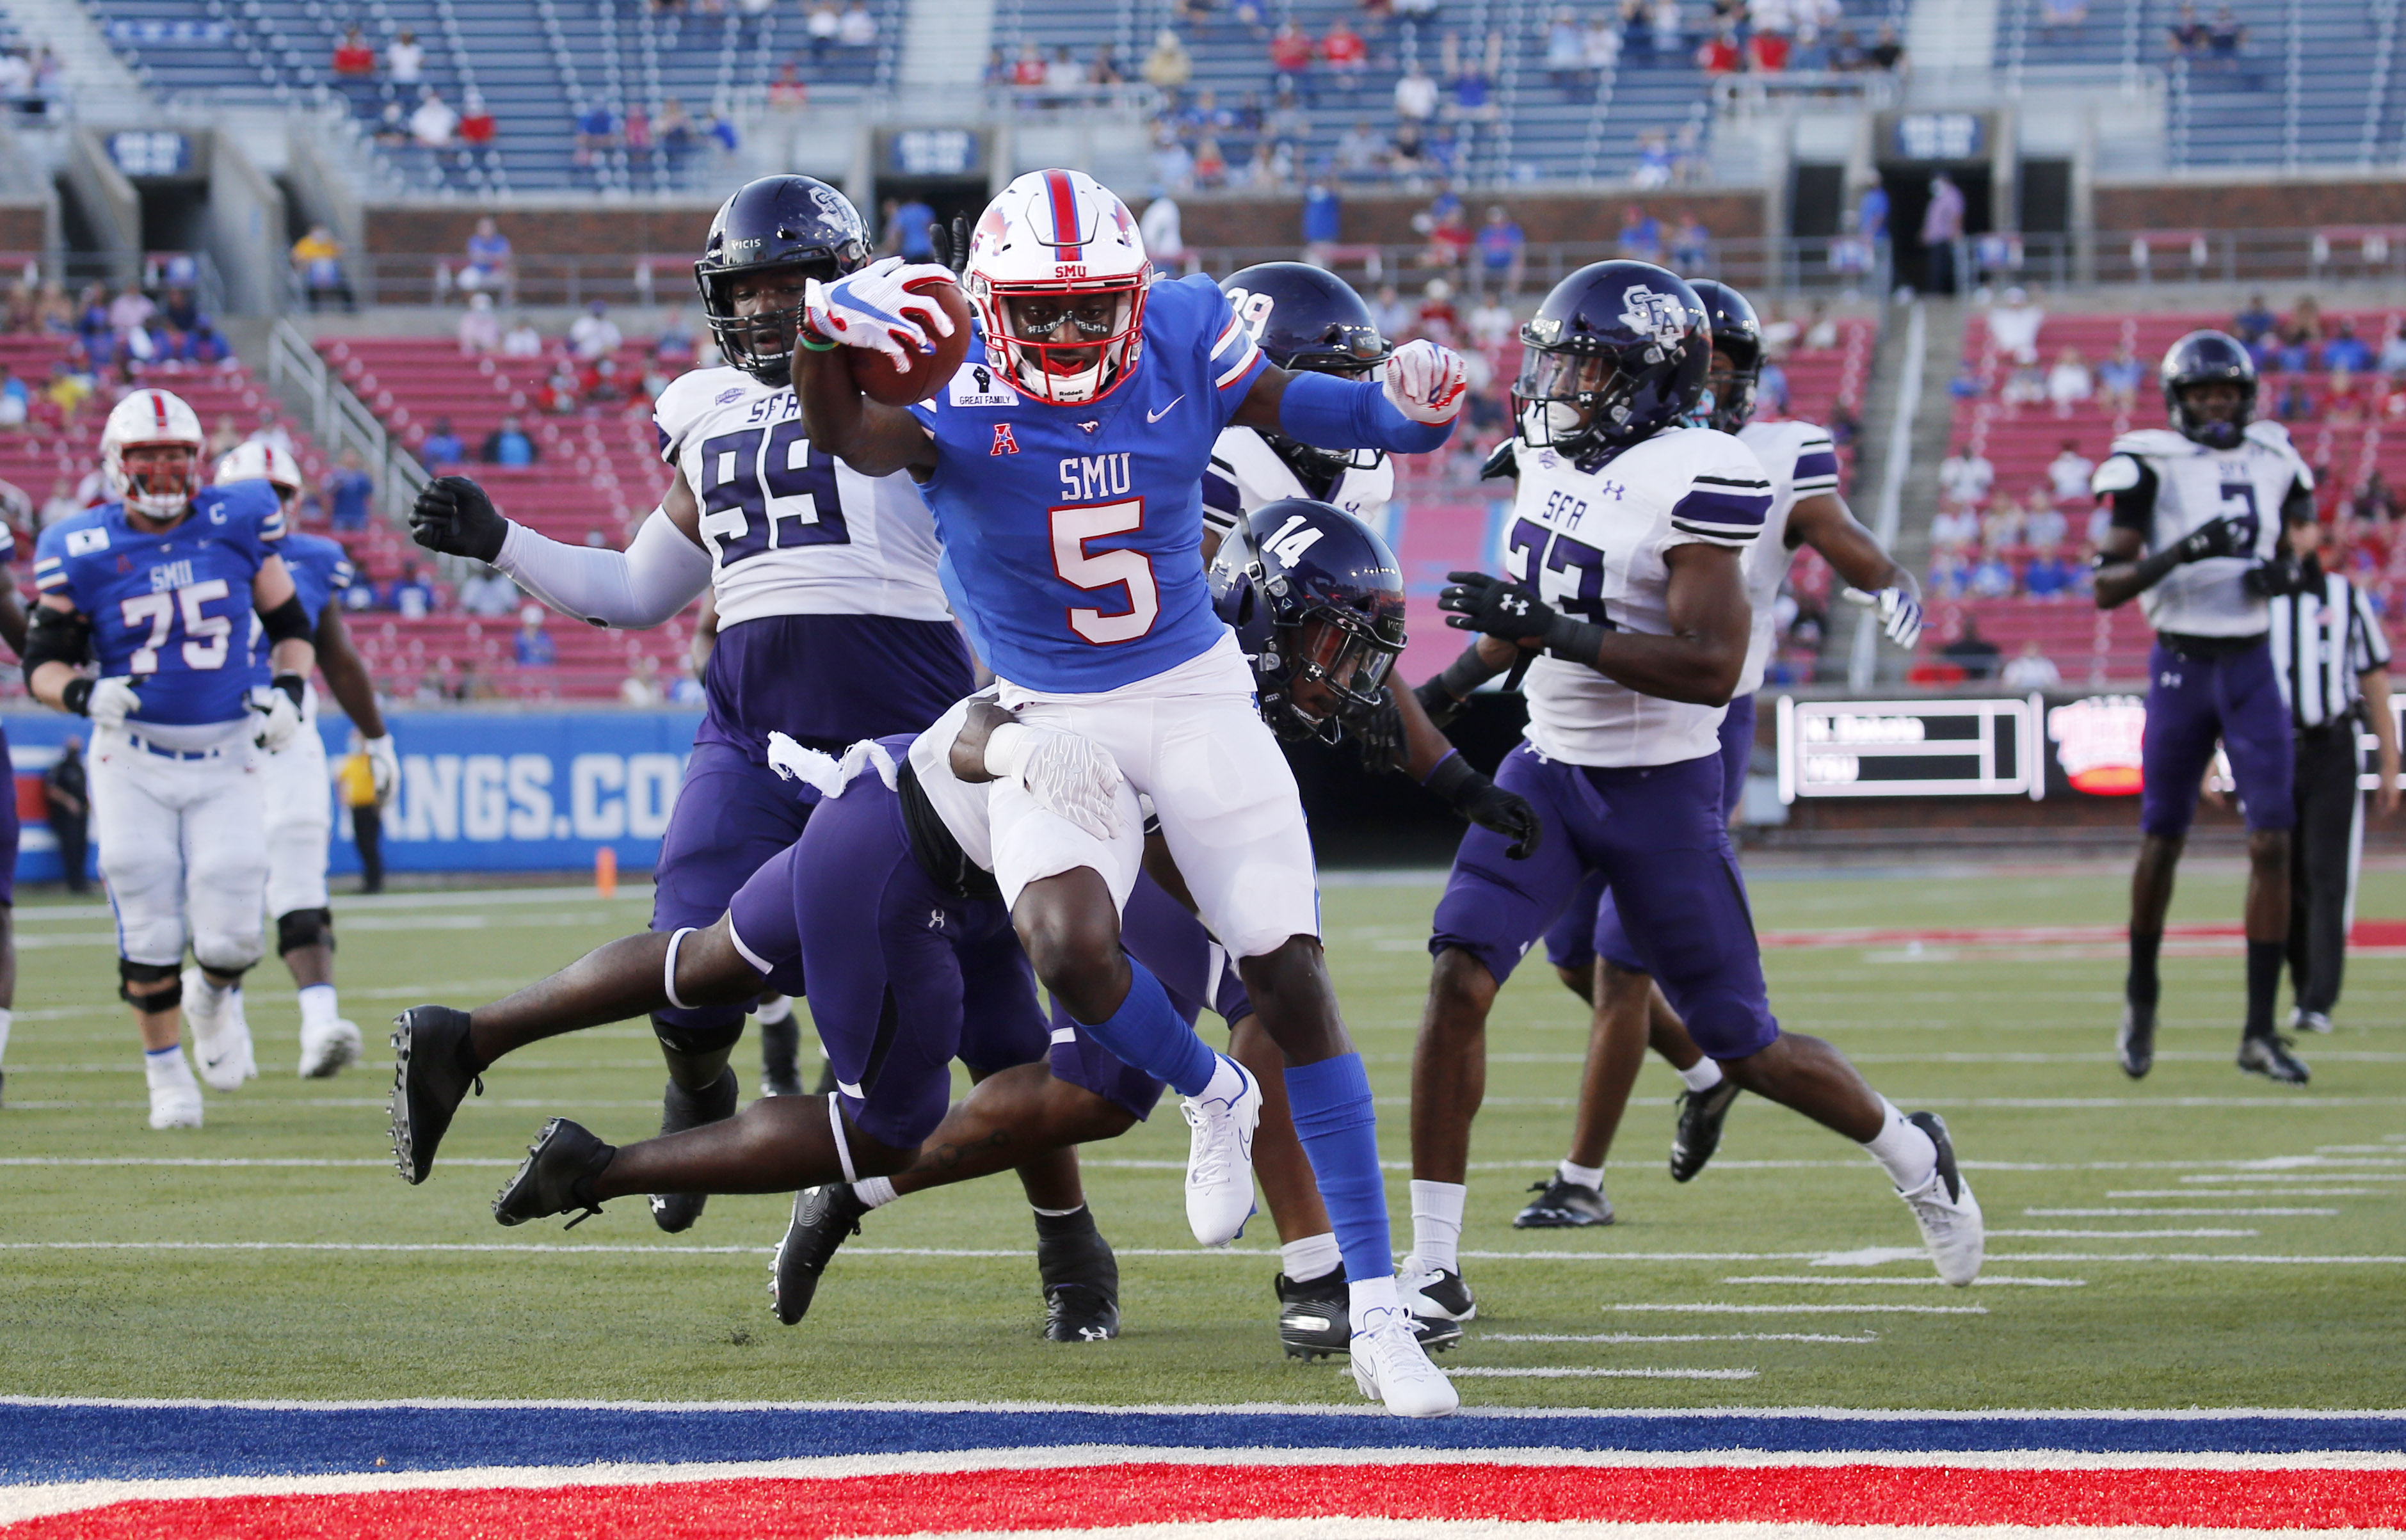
[
  {"x": 129, "y": 974},
  {"x": 305, "y": 927},
  {"x": 698, "y": 1039}
]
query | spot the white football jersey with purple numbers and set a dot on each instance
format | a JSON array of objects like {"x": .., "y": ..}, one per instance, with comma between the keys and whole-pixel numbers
[
  {"x": 791, "y": 530},
  {"x": 2194, "y": 486},
  {"x": 1246, "y": 472},
  {"x": 1591, "y": 543},
  {"x": 1800, "y": 461}
]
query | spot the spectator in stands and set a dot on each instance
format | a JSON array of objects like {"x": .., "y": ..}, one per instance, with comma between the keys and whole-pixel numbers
[
  {"x": 1887, "y": 51},
  {"x": 2043, "y": 524},
  {"x": 1491, "y": 323},
  {"x": 521, "y": 341},
  {"x": 789, "y": 94},
  {"x": 508, "y": 445},
  {"x": 1691, "y": 247},
  {"x": 821, "y": 26},
  {"x": 600, "y": 384},
  {"x": 16, "y": 401},
  {"x": 412, "y": 597},
  {"x": 2014, "y": 326},
  {"x": 2305, "y": 323},
  {"x": 641, "y": 688},
  {"x": 1416, "y": 95},
  {"x": 1437, "y": 319},
  {"x": 1291, "y": 56},
  {"x": 2224, "y": 37},
  {"x": 480, "y": 329},
  {"x": 442, "y": 451},
  {"x": 2345, "y": 349},
  {"x": 2000, "y": 527},
  {"x": 908, "y": 223},
  {"x": 2256, "y": 321},
  {"x": 2069, "y": 472},
  {"x": 1503, "y": 251},
  {"x": 858, "y": 28},
  {"x": 1974, "y": 654},
  {"x": 1771, "y": 388},
  {"x": 2061, "y": 16},
  {"x": 1641, "y": 235},
  {"x": 597, "y": 132},
  {"x": 1820, "y": 327},
  {"x": 61, "y": 504},
  {"x": 432, "y": 123},
  {"x": 1473, "y": 79},
  {"x": 2069, "y": 383},
  {"x": 486, "y": 593},
  {"x": 1600, "y": 50},
  {"x": 1360, "y": 155},
  {"x": 318, "y": 266},
  {"x": 1345, "y": 54},
  {"x": 392, "y": 127},
  {"x": 1173, "y": 164},
  {"x": 348, "y": 491},
  {"x": 533, "y": 648},
  {"x": 1392, "y": 316},
  {"x": 1210, "y": 165},
  {"x": 405, "y": 61},
  {"x": 2048, "y": 576},
  {"x": 1942, "y": 232},
  {"x": 2344, "y": 400},
  {"x": 1670, "y": 29},
  {"x": 1105, "y": 70},
  {"x": 2118, "y": 379},
  {"x": 1991, "y": 575},
  {"x": 487, "y": 267},
  {"x": 2031, "y": 670},
  {"x": 1168, "y": 67},
  {"x": 594, "y": 334},
  {"x": 2393, "y": 351},
  {"x": 354, "y": 60},
  {"x": 1565, "y": 51},
  {"x": 2186, "y": 36},
  {"x": 1955, "y": 529},
  {"x": 2294, "y": 399}
]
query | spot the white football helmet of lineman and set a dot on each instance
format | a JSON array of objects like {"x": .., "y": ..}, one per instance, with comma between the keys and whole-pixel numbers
[
  {"x": 142, "y": 420},
  {"x": 258, "y": 460},
  {"x": 1057, "y": 271}
]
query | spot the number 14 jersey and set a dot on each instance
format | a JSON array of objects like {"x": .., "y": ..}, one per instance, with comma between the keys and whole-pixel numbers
[{"x": 1591, "y": 543}]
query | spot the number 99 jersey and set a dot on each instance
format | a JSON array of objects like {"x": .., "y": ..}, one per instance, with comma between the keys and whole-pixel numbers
[
  {"x": 791, "y": 530},
  {"x": 1591, "y": 543},
  {"x": 164, "y": 606},
  {"x": 2166, "y": 488}
]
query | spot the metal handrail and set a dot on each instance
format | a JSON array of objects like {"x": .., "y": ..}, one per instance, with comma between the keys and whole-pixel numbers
[{"x": 339, "y": 420}]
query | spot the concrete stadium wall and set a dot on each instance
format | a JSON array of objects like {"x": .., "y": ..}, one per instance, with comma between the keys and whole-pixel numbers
[
  {"x": 1386, "y": 217},
  {"x": 589, "y": 228},
  {"x": 2293, "y": 201}
]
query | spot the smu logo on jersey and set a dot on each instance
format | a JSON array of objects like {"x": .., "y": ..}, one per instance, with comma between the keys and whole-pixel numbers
[
  {"x": 1085, "y": 478},
  {"x": 174, "y": 574}
]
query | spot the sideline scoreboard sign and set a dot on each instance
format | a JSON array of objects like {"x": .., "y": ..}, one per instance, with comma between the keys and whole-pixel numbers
[{"x": 1909, "y": 748}]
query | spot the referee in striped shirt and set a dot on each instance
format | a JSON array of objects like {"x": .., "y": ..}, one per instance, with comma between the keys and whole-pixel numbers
[{"x": 2333, "y": 662}]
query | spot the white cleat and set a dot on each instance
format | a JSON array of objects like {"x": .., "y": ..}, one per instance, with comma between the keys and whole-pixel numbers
[
  {"x": 221, "y": 1035},
  {"x": 1948, "y": 1214},
  {"x": 1220, "y": 1159},
  {"x": 1389, "y": 1366},
  {"x": 323, "y": 1053},
  {"x": 174, "y": 1096}
]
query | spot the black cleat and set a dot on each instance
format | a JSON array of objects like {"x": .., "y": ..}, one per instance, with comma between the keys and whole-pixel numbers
[
  {"x": 1564, "y": 1206},
  {"x": 781, "y": 1049},
  {"x": 1698, "y": 1132},
  {"x": 556, "y": 1176},
  {"x": 1431, "y": 1292},
  {"x": 429, "y": 1080},
  {"x": 2135, "y": 1045},
  {"x": 681, "y": 1109},
  {"x": 1312, "y": 1315},
  {"x": 2268, "y": 1055},
  {"x": 824, "y": 1217},
  {"x": 1074, "y": 1312}
]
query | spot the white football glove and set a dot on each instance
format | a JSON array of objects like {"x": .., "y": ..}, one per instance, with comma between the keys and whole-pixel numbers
[
  {"x": 279, "y": 719},
  {"x": 112, "y": 701},
  {"x": 384, "y": 767},
  {"x": 1899, "y": 612},
  {"x": 1072, "y": 777},
  {"x": 1425, "y": 382},
  {"x": 864, "y": 309}
]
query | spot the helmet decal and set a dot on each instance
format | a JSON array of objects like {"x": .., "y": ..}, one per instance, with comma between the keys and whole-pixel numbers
[
  {"x": 1067, "y": 249},
  {"x": 1661, "y": 317}
]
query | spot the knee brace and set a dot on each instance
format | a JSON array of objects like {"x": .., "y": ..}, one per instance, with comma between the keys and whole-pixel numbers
[
  {"x": 129, "y": 974},
  {"x": 305, "y": 927},
  {"x": 697, "y": 1039}
]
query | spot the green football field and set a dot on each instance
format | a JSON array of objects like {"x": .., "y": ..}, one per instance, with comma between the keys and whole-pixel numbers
[{"x": 2199, "y": 1238}]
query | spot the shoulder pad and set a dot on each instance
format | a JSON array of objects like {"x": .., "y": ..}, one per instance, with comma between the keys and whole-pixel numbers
[
  {"x": 688, "y": 394},
  {"x": 2118, "y": 474},
  {"x": 2271, "y": 435},
  {"x": 2162, "y": 443},
  {"x": 1500, "y": 465}
]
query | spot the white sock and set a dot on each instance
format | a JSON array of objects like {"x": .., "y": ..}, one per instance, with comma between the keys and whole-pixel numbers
[
  {"x": 1313, "y": 1256},
  {"x": 318, "y": 1008},
  {"x": 166, "y": 1066},
  {"x": 1905, "y": 1151},
  {"x": 1436, "y": 1222},
  {"x": 1364, "y": 1295},
  {"x": 876, "y": 1192},
  {"x": 217, "y": 990},
  {"x": 1703, "y": 1077},
  {"x": 1581, "y": 1176},
  {"x": 777, "y": 1010},
  {"x": 1226, "y": 1080},
  {"x": 6, "y": 1016}
]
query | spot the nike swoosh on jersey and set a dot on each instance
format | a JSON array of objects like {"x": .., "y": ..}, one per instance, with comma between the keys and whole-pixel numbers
[{"x": 1157, "y": 417}]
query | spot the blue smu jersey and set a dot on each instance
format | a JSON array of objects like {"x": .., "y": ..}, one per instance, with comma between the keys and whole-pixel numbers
[
  {"x": 320, "y": 569},
  {"x": 164, "y": 606},
  {"x": 1074, "y": 535}
]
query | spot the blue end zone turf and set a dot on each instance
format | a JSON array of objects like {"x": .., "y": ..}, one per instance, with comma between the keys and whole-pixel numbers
[{"x": 73, "y": 1441}]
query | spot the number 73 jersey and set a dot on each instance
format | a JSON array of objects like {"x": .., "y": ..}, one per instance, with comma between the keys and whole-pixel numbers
[
  {"x": 165, "y": 606},
  {"x": 1591, "y": 543}
]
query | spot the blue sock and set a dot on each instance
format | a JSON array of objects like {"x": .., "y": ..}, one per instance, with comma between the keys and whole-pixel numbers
[
  {"x": 1332, "y": 1117},
  {"x": 1148, "y": 1032}
]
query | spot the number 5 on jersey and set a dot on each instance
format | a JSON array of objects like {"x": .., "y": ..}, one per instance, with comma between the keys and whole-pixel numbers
[
  {"x": 207, "y": 633},
  {"x": 1127, "y": 569}
]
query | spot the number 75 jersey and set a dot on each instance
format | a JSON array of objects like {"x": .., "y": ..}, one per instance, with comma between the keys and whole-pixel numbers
[
  {"x": 791, "y": 528},
  {"x": 172, "y": 609},
  {"x": 1591, "y": 543}
]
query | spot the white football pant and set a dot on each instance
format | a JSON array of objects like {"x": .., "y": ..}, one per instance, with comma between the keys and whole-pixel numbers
[
  {"x": 300, "y": 821},
  {"x": 183, "y": 848}
]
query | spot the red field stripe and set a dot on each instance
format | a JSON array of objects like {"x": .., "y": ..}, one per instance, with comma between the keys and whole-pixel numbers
[{"x": 1134, "y": 1494}]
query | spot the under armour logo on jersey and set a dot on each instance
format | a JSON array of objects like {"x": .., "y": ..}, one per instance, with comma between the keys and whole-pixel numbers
[
  {"x": 1004, "y": 444},
  {"x": 936, "y": 918},
  {"x": 1612, "y": 489}
]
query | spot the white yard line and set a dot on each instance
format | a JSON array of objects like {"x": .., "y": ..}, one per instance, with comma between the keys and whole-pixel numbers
[
  {"x": 1680, "y": 1337},
  {"x": 1600, "y": 1374},
  {"x": 2250, "y": 1193},
  {"x": 2174, "y": 1213},
  {"x": 2121, "y": 1235},
  {"x": 1721, "y": 1310},
  {"x": 1916, "y": 1283}
]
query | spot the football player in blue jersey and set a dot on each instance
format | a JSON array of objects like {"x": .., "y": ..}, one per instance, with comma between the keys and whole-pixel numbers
[
  {"x": 831, "y": 625},
  {"x": 12, "y": 630},
  {"x": 1064, "y": 462},
  {"x": 151, "y": 586},
  {"x": 300, "y": 815}
]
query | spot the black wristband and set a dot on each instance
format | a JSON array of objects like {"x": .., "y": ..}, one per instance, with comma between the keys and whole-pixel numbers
[
  {"x": 77, "y": 696},
  {"x": 292, "y": 684},
  {"x": 1574, "y": 641},
  {"x": 1445, "y": 781}
]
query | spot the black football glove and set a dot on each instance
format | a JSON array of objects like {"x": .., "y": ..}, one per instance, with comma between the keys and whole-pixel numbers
[
  {"x": 950, "y": 245},
  {"x": 1488, "y": 805},
  {"x": 2223, "y": 537},
  {"x": 2273, "y": 579},
  {"x": 1379, "y": 734},
  {"x": 454, "y": 517},
  {"x": 1476, "y": 602},
  {"x": 1437, "y": 702}
]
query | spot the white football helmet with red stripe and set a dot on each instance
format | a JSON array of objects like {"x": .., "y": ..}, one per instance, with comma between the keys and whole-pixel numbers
[
  {"x": 258, "y": 460},
  {"x": 143, "y": 420},
  {"x": 1057, "y": 273}
]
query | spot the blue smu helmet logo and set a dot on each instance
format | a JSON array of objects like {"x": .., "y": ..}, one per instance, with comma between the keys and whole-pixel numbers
[{"x": 1661, "y": 316}]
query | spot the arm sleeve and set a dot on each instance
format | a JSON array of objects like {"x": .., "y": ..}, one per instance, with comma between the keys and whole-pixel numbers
[
  {"x": 659, "y": 573},
  {"x": 1334, "y": 414},
  {"x": 2299, "y": 506},
  {"x": 1222, "y": 504}
]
